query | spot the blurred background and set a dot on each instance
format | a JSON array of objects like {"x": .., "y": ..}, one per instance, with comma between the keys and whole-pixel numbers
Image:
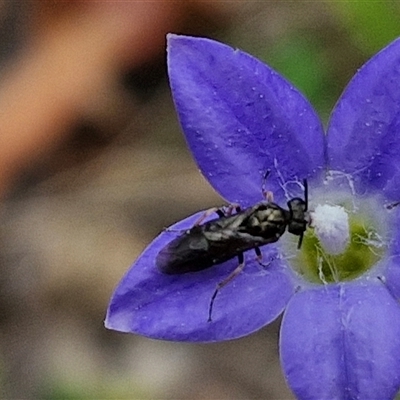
[{"x": 93, "y": 165}]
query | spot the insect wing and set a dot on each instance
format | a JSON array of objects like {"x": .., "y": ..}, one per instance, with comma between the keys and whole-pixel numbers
[
  {"x": 186, "y": 253},
  {"x": 203, "y": 246}
]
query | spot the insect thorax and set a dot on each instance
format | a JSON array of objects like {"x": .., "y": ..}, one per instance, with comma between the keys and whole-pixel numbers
[{"x": 268, "y": 220}]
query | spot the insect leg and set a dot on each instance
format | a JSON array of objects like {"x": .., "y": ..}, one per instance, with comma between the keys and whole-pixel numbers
[
  {"x": 260, "y": 257},
  {"x": 208, "y": 213},
  {"x": 258, "y": 253},
  {"x": 223, "y": 283},
  {"x": 219, "y": 211},
  {"x": 268, "y": 195},
  {"x": 199, "y": 220},
  {"x": 172, "y": 230},
  {"x": 392, "y": 205},
  {"x": 230, "y": 208},
  {"x": 202, "y": 217}
]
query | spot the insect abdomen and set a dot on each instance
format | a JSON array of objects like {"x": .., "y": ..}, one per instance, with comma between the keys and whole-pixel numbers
[{"x": 186, "y": 253}]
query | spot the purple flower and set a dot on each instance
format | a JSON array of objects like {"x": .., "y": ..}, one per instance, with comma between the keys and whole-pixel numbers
[{"x": 340, "y": 335}]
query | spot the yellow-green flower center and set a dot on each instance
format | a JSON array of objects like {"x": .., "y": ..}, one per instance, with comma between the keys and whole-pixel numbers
[
  {"x": 341, "y": 246},
  {"x": 362, "y": 252}
]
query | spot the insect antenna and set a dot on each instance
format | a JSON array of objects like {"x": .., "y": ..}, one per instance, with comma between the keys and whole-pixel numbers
[
  {"x": 300, "y": 241},
  {"x": 305, "y": 184}
]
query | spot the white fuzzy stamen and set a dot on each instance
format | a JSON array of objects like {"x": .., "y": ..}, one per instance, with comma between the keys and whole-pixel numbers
[{"x": 331, "y": 225}]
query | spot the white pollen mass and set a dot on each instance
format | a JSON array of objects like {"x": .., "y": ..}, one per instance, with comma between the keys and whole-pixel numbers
[{"x": 331, "y": 225}]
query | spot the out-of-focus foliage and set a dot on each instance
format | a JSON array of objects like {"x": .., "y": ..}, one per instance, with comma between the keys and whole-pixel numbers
[
  {"x": 370, "y": 25},
  {"x": 303, "y": 61},
  {"x": 106, "y": 389}
]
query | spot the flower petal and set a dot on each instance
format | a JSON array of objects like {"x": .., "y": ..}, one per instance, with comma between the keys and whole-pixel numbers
[
  {"x": 241, "y": 118},
  {"x": 342, "y": 342},
  {"x": 392, "y": 275},
  {"x": 363, "y": 134},
  {"x": 175, "y": 307}
]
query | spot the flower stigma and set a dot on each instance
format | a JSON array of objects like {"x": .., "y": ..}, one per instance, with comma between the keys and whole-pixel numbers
[{"x": 331, "y": 226}]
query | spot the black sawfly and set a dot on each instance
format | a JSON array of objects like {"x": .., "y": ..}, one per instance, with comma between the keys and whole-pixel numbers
[{"x": 230, "y": 235}]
